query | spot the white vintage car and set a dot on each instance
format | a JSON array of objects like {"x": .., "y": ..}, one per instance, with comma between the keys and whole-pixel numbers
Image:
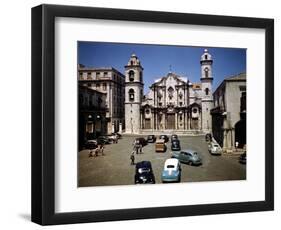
[
  {"x": 171, "y": 171},
  {"x": 214, "y": 148}
]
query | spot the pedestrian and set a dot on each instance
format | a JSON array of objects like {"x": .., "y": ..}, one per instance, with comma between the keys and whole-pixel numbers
[
  {"x": 91, "y": 153},
  {"x": 140, "y": 147},
  {"x": 102, "y": 149},
  {"x": 236, "y": 145},
  {"x": 132, "y": 157},
  {"x": 96, "y": 151}
]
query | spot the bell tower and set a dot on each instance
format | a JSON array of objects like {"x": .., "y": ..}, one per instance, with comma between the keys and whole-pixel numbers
[
  {"x": 133, "y": 95},
  {"x": 207, "y": 94}
]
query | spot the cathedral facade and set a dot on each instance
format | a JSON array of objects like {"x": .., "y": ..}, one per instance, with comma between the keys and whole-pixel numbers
[{"x": 172, "y": 103}]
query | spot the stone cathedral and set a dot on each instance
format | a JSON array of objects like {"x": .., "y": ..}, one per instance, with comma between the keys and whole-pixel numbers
[{"x": 173, "y": 103}]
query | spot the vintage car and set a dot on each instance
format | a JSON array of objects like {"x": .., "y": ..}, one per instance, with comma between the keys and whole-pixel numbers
[
  {"x": 160, "y": 146},
  {"x": 214, "y": 148},
  {"x": 91, "y": 144},
  {"x": 174, "y": 137},
  {"x": 144, "y": 173},
  {"x": 175, "y": 145},
  {"x": 141, "y": 141},
  {"x": 208, "y": 137},
  {"x": 117, "y": 135},
  {"x": 164, "y": 137},
  {"x": 104, "y": 140},
  {"x": 171, "y": 171},
  {"x": 243, "y": 158},
  {"x": 188, "y": 156},
  {"x": 151, "y": 138}
]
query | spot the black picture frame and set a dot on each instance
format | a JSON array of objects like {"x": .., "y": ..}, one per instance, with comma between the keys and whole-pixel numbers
[{"x": 43, "y": 114}]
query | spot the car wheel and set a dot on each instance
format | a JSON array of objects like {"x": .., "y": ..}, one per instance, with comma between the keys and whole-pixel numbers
[{"x": 190, "y": 163}]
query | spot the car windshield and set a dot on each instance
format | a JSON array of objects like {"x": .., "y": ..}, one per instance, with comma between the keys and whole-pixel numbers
[{"x": 170, "y": 166}]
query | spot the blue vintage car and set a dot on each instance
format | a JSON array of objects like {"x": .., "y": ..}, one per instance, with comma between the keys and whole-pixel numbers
[
  {"x": 188, "y": 156},
  {"x": 171, "y": 171}
]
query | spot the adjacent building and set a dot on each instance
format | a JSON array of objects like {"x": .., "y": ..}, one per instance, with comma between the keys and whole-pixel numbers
[
  {"x": 112, "y": 83},
  {"x": 229, "y": 112},
  {"x": 92, "y": 114}
]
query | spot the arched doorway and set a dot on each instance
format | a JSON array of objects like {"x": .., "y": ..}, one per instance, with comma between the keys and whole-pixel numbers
[{"x": 240, "y": 133}]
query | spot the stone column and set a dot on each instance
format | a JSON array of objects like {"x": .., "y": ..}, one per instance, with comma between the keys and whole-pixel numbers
[
  {"x": 141, "y": 121},
  {"x": 120, "y": 127},
  {"x": 176, "y": 120}
]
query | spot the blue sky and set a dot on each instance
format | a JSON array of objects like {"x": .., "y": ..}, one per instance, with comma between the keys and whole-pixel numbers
[{"x": 157, "y": 59}]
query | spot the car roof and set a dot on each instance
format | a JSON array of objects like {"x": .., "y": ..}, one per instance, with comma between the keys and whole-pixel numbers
[
  {"x": 160, "y": 141},
  {"x": 171, "y": 161},
  {"x": 143, "y": 164},
  {"x": 188, "y": 150}
]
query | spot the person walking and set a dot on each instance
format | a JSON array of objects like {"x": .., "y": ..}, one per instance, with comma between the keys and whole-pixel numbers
[
  {"x": 102, "y": 149},
  {"x": 132, "y": 157}
]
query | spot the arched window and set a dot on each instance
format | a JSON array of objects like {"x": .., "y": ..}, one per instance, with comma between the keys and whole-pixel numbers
[
  {"x": 140, "y": 76},
  {"x": 131, "y": 95},
  {"x": 207, "y": 91},
  {"x": 206, "y": 72},
  {"x": 131, "y": 75}
]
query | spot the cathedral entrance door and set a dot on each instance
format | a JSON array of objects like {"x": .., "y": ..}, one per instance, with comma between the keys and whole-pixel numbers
[
  {"x": 194, "y": 123},
  {"x": 147, "y": 123},
  {"x": 170, "y": 121}
]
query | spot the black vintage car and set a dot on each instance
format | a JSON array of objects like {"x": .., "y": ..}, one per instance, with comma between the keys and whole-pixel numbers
[
  {"x": 151, "y": 138},
  {"x": 118, "y": 135},
  {"x": 208, "y": 137},
  {"x": 175, "y": 145},
  {"x": 141, "y": 141},
  {"x": 104, "y": 140},
  {"x": 91, "y": 144},
  {"x": 144, "y": 173},
  {"x": 164, "y": 137},
  {"x": 174, "y": 137},
  {"x": 243, "y": 158}
]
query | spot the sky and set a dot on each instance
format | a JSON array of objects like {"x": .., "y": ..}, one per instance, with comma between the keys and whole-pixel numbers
[{"x": 158, "y": 60}]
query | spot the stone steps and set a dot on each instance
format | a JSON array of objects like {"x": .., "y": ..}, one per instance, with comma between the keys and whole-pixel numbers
[{"x": 171, "y": 131}]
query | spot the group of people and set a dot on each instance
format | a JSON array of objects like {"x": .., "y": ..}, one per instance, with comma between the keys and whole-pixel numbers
[
  {"x": 95, "y": 152},
  {"x": 137, "y": 148}
]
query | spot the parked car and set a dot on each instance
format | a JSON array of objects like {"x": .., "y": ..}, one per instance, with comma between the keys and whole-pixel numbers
[
  {"x": 113, "y": 138},
  {"x": 214, "y": 149},
  {"x": 174, "y": 137},
  {"x": 118, "y": 135},
  {"x": 144, "y": 173},
  {"x": 160, "y": 146},
  {"x": 243, "y": 158},
  {"x": 91, "y": 144},
  {"x": 188, "y": 156},
  {"x": 142, "y": 141},
  {"x": 164, "y": 137},
  {"x": 175, "y": 145},
  {"x": 208, "y": 137},
  {"x": 151, "y": 138},
  {"x": 171, "y": 171},
  {"x": 104, "y": 140}
]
